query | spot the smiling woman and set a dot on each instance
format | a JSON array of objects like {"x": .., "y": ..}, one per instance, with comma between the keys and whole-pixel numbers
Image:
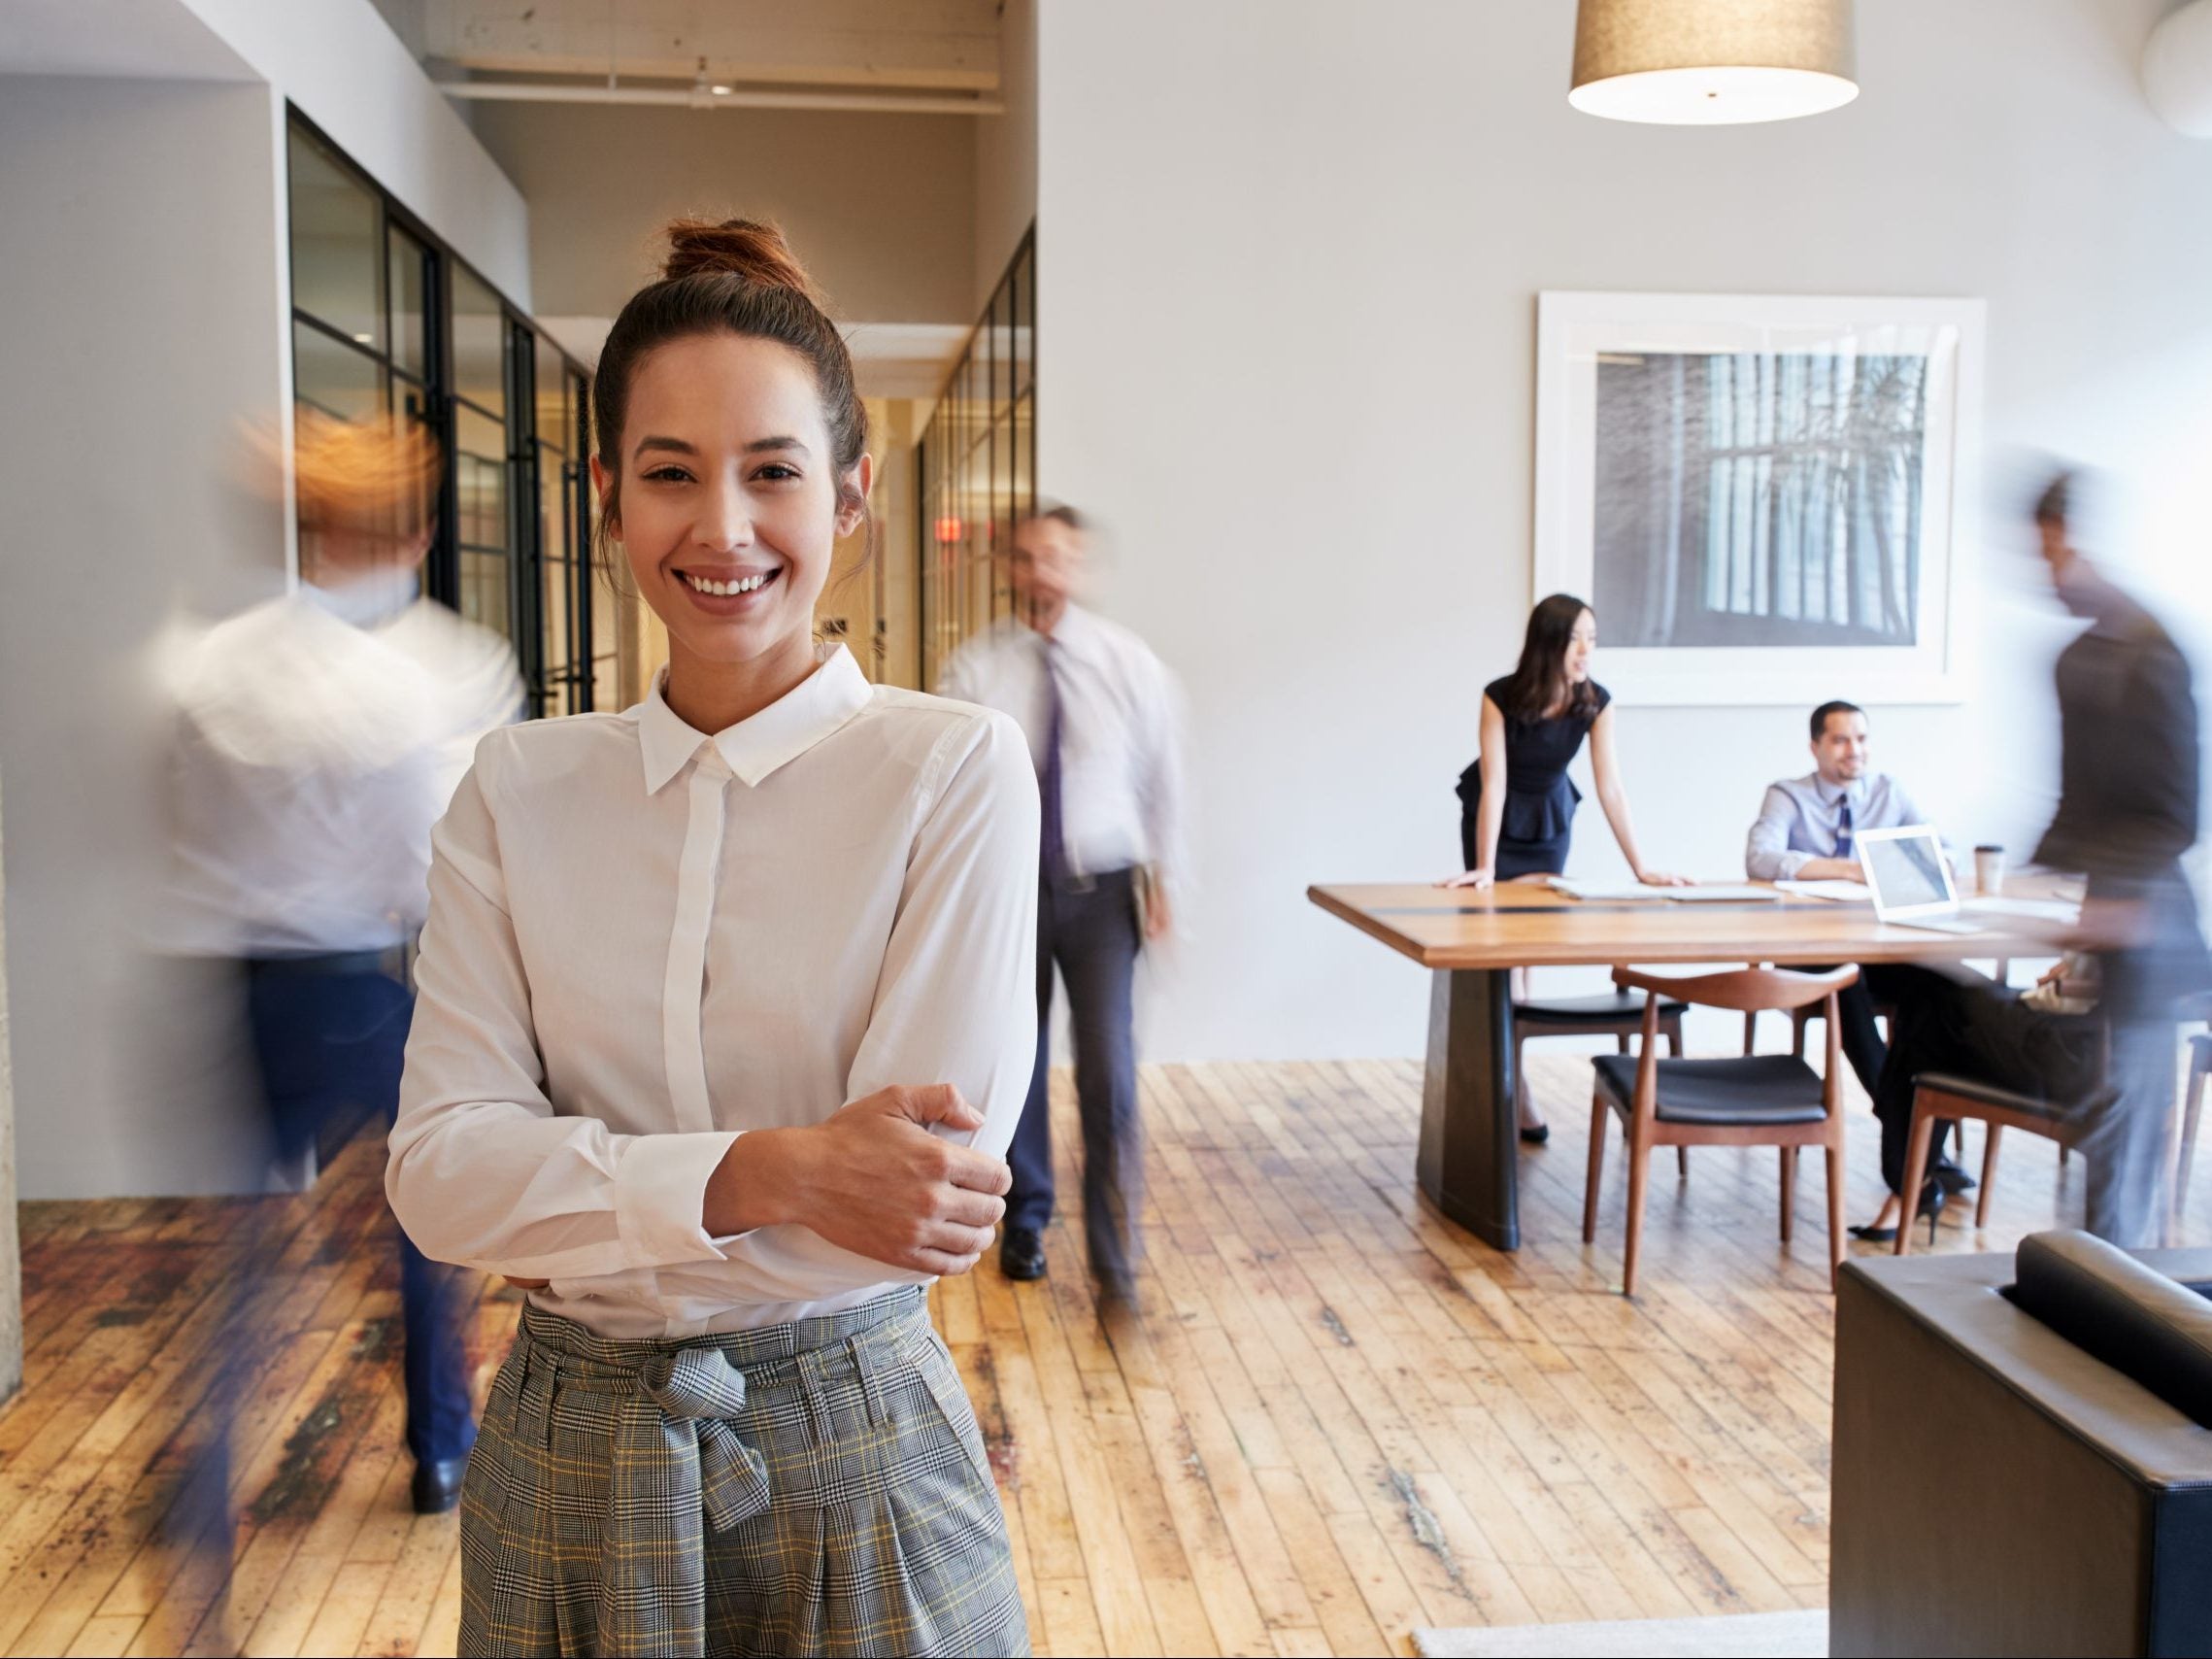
[
  {"x": 728, "y": 516},
  {"x": 727, "y": 1017}
]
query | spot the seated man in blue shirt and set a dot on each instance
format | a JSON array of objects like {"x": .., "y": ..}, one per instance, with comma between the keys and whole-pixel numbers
[{"x": 1807, "y": 830}]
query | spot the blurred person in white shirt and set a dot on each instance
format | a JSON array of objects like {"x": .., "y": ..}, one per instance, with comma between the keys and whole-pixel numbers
[
  {"x": 319, "y": 737},
  {"x": 1102, "y": 717}
]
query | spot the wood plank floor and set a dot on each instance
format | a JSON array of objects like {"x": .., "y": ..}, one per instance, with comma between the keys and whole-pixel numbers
[{"x": 1339, "y": 1416}]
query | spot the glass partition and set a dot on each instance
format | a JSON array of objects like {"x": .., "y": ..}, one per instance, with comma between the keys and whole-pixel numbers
[
  {"x": 337, "y": 248},
  {"x": 409, "y": 276},
  {"x": 330, "y": 376},
  {"x": 388, "y": 322},
  {"x": 977, "y": 468},
  {"x": 480, "y": 342}
]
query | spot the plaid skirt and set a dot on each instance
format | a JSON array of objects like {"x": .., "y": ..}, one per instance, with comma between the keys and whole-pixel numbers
[{"x": 818, "y": 1487}]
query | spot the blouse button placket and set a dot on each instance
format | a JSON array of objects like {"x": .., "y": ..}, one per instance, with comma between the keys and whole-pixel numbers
[{"x": 684, "y": 990}]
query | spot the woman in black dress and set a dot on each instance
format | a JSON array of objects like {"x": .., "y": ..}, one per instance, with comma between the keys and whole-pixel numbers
[{"x": 1517, "y": 801}]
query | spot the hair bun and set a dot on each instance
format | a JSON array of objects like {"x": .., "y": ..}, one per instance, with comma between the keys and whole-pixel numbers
[{"x": 741, "y": 247}]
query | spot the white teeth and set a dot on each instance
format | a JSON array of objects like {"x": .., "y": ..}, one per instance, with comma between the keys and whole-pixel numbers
[{"x": 727, "y": 589}]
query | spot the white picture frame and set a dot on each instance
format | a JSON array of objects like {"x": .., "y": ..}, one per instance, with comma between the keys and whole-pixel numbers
[{"x": 1851, "y": 578}]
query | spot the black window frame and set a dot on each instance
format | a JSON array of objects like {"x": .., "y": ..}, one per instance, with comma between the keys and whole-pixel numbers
[
  {"x": 985, "y": 415},
  {"x": 528, "y": 533}
]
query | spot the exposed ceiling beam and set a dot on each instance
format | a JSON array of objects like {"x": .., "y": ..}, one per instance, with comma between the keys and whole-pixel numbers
[
  {"x": 889, "y": 101},
  {"x": 949, "y": 46}
]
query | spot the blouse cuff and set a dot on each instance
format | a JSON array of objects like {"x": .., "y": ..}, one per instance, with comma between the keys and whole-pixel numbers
[{"x": 660, "y": 1190}]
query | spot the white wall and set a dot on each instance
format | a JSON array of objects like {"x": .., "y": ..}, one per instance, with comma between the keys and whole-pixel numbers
[
  {"x": 141, "y": 331},
  {"x": 1287, "y": 295}
]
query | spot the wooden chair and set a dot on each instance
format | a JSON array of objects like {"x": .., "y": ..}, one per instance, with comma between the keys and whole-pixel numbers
[
  {"x": 1765, "y": 1100},
  {"x": 1800, "y": 1019},
  {"x": 1618, "y": 1014},
  {"x": 1938, "y": 1095}
]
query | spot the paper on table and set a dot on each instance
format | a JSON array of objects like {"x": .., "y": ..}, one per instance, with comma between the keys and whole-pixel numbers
[
  {"x": 1842, "y": 892},
  {"x": 1702, "y": 892},
  {"x": 1601, "y": 890}
]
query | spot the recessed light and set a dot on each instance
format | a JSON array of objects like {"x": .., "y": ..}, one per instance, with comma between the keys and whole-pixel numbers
[{"x": 721, "y": 91}]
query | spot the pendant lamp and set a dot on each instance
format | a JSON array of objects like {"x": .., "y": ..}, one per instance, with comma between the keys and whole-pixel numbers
[{"x": 1711, "y": 62}]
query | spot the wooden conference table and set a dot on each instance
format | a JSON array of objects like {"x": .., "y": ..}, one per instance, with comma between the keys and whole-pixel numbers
[{"x": 1472, "y": 941}]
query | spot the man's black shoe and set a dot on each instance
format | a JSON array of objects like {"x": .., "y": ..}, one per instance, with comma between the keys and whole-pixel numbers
[
  {"x": 438, "y": 1484},
  {"x": 1021, "y": 1252}
]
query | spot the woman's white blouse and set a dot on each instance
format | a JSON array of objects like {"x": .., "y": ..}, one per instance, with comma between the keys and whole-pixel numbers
[{"x": 644, "y": 941}]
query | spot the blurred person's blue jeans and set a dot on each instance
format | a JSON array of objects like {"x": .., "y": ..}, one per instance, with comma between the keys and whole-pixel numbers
[{"x": 330, "y": 1036}]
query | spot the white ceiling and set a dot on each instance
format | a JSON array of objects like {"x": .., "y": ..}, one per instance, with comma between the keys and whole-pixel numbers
[{"x": 938, "y": 45}]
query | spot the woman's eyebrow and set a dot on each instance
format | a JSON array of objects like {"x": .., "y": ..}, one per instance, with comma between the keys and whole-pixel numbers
[{"x": 681, "y": 447}]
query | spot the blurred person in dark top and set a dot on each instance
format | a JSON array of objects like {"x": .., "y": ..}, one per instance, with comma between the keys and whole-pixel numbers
[
  {"x": 319, "y": 737},
  {"x": 2126, "y": 817}
]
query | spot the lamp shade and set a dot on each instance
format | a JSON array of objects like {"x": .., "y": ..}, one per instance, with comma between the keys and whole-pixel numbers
[{"x": 1711, "y": 62}]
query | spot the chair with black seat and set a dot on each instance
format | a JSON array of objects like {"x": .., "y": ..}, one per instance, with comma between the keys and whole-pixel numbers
[
  {"x": 1760, "y": 1099},
  {"x": 1938, "y": 1095},
  {"x": 1618, "y": 1014}
]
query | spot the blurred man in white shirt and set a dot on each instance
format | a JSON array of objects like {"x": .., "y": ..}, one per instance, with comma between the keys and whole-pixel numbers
[
  {"x": 320, "y": 736},
  {"x": 1101, "y": 716}
]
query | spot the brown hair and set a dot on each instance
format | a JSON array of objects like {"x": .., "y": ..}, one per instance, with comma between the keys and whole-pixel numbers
[
  {"x": 1539, "y": 687},
  {"x": 734, "y": 277},
  {"x": 375, "y": 477}
]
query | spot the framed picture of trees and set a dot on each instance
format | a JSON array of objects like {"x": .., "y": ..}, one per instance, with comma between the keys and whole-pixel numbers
[{"x": 1766, "y": 499}]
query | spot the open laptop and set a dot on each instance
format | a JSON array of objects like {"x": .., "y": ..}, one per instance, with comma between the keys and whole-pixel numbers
[{"x": 1909, "y": 879}]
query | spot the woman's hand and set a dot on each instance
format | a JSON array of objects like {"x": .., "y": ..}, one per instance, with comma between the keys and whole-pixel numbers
[
  {"x": 872, "y": 1179},
  {"x": 1661, "y": 878},
  {"x": 1476, "y": 879}
]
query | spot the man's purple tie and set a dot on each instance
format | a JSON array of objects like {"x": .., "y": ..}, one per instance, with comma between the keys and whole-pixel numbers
[{"x": 1051, "y": 830}]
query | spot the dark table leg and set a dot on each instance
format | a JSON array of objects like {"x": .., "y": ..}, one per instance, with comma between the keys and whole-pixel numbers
[{"x": 1469, "y": 1130}]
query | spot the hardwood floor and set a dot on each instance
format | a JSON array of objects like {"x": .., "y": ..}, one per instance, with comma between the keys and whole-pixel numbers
[{"x": 1339, "y": 1416}]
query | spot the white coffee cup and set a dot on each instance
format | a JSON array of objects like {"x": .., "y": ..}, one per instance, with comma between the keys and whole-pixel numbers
[{"x": 1989, "y": 868}]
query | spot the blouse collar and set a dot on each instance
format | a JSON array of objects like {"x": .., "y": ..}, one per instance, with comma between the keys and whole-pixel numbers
[{"x": 755, "y": 747}]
